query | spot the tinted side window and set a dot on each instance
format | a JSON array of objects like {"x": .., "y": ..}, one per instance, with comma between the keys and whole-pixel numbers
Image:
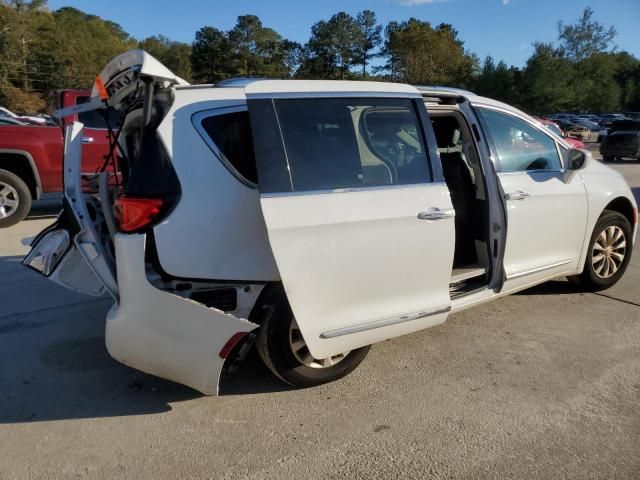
[
  {"x": 334, "y": 143},
  {"x": 520, "y": 146},
  {"x": 231, "y": 133},
  {"x": 95, "y": 119}
]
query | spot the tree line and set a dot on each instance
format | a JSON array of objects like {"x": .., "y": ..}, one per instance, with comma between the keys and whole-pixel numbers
[{"x": 43, "y": 50}]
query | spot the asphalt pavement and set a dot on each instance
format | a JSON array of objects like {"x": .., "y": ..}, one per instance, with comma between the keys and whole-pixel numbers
[{"x": 542, "y": 384}]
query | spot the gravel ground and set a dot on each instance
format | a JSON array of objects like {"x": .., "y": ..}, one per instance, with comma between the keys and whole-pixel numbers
[{"x": 543, "y": 384}]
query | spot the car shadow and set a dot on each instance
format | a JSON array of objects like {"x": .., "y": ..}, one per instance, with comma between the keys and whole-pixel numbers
[
  {"x": 54, "y": 364},
  {"x": 553, "y": 287}
]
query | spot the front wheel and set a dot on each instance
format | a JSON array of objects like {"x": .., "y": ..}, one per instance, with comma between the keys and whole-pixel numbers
[
  {"x": 283, "y": 349},
  {"x": 609, "y": 252},
  {"x": 15, "y": 199}
]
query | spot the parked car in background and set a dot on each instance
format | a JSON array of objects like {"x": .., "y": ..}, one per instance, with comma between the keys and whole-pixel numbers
[
  {"x": 579, "y": 131},
  {"x": 622, "y": 142},
  {"x": 31, "y": 155},
  {"x": 607, "y": 118},
  {"x": 555, "y": 128},
  {"x": 318, "y": 218},
  {"x": 34, "y": 119},
  {"x": 11, "y": 121}
]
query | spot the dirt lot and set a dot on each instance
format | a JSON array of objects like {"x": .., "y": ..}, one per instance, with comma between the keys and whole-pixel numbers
[{"x": 544, "y": 384}]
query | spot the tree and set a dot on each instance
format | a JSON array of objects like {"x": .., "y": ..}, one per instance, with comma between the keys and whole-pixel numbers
[
  {"x": 257, "y": 50},
  {"x": 417, "y": 53},
  {"x": 332, "y": 48},
  {"x": 627, "y": 77},
  {"x": 293, "y": 55},
  {"x": 547, "y": 80},
  {"x": 369, "y": 38},
  {"x": 210, "y": 56},
  {"x": 176, "y": 56},
  {"x": 585, "y": 38}
]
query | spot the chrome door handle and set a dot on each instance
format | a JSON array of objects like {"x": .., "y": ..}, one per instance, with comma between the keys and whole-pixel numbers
[
  {"x": 435, "y": 213},
  {"x": 87, "y": 139},
  {"x": 517, "y": 195}
]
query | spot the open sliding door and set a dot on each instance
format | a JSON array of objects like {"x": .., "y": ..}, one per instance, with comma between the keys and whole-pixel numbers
[{"x": 359, "y": 219}]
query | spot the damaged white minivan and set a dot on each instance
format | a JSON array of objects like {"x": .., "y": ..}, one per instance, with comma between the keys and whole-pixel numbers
[{"x": 315, "y": 218}]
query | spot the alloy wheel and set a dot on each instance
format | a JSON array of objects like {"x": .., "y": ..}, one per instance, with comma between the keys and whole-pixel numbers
[
  {"x": 302, "y": 353},
  {"x": 609, "y": 251},
  {"x": 9, "y": 200}
]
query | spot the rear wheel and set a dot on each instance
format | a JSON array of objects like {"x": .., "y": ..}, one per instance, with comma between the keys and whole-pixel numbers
[
  {"x": 608, "y": 158},
  {"x": 609, "y": 252},
  {"x": 283, "y": 349},
  {"x": 15, "y": 199}
]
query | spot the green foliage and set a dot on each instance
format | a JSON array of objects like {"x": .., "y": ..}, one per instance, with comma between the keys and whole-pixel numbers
[
  {"x": 547, "y": 81},
  {"x": 579, "y": 73},
  {"x": 420, "y": 54},
  {"x": 210, "y": 56},
  {"x": 174, "y": 55},
  {"x": 42, "y": 51},
  {"x": 248, "y": 50},
  {"x": 333, "y": 48},
  {"x": 585, "y": 38},
  {"x": 369, "y": 38}
]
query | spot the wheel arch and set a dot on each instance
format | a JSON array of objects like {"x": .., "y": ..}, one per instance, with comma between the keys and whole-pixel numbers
[
  {"x": 21, "y": 163},
  {"x": 623, "y": 206},
  {"x": 273, "y": 292}
]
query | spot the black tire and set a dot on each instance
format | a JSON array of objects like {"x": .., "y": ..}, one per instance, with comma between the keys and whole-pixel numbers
[
  {"x": 590, "y": 279},
  {"x": 275, "y": 350},
  {"x": 13, "y": 188},
  {"x": 608, "y": 158}
]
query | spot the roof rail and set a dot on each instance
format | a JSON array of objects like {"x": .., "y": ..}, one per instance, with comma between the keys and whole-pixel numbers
[
  {"x": 436, "y": 88},
  {"x": 238, "y": 82}
]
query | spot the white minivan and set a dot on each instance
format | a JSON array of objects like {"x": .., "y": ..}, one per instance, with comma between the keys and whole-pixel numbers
[{"x": 315, "y": 218}]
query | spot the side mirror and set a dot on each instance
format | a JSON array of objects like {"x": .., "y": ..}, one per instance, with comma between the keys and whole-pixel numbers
[{"x": 576, "y": 158}]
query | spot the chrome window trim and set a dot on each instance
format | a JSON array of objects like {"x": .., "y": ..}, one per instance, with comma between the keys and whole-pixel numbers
[
  {"x": 363, "y": 327},
  {"x": 196, "y": 121},
  {"x": 520, "y": 172},
  {"x": 352, "y": 189}
]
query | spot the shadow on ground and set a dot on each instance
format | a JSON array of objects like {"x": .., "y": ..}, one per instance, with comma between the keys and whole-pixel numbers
[{"x": 54, "y": 364}]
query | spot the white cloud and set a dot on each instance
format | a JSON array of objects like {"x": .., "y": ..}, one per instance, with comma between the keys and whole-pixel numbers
[
  {"x": 506, "y": 2},
  {"x": 413, "y": 3}
]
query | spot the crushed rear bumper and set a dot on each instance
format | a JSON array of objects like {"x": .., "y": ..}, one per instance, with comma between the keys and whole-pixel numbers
[{"x": 161, "y": 333}]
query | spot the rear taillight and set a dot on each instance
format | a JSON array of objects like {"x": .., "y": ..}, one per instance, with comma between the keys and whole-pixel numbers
[{"x": 133, "y": 214}]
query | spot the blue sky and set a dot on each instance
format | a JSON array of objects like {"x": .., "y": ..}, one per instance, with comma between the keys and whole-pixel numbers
[{"x": 503, "y": 29}]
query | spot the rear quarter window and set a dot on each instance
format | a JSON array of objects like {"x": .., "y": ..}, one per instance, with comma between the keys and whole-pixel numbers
[{"x": 229, "y": 134}]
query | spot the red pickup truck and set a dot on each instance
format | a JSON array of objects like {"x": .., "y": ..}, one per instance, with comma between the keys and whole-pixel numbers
[{"x": 31, "y": 156}]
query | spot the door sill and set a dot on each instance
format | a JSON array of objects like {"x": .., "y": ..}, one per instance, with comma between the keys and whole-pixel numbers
[{"x": 467, "y": 273}]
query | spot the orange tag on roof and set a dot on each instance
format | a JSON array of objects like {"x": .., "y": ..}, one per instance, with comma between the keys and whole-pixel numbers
[{"x": 102, "y": 91}]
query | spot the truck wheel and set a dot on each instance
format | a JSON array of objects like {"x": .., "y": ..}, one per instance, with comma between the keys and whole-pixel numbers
[
  {"x": 609, "y": 252},
  {"x": 15, "y": 199},
  {"x": 284, "y": 351},
  {"x": 608, "y": 158}
]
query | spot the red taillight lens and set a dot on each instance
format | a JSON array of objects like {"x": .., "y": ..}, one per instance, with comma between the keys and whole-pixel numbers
[
  {"x": 232, "y": 342},
  {"x": 135, "y": 213}
]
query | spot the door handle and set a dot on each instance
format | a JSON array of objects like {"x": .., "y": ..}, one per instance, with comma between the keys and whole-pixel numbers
[
  {"x": 435, "y": 213},
  {"x": 517, "y": 195},
  {"x": 87, "y": 139}
]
